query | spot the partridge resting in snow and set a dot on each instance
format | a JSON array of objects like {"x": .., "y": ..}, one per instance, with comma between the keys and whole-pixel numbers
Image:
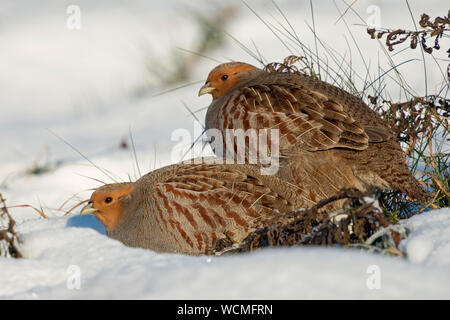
[
  {"x": 191, "y": 208},
  {"x": 328, "y": 138}
]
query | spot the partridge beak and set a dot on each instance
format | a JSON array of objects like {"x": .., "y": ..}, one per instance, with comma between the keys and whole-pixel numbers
[
  {"x": 206, "y": 89},
  {"x": 87, "y": 209}
]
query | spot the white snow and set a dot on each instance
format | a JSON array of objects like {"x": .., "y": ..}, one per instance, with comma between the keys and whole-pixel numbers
[
  {"x": 82, "y": 86},
  {"x": 429, "y": 241},
  {"x": 108, "y": 269}
]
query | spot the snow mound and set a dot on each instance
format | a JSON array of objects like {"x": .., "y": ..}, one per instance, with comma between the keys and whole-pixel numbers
[
  {"x": 72, "y": 258},
  {"x": 429, "y": 241}
]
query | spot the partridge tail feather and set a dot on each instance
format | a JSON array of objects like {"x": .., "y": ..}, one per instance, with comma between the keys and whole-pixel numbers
[
  {"x": 385, "y": 161},
  {"x": 413, "y": 189},
  {"x": 400, "y": 178}
]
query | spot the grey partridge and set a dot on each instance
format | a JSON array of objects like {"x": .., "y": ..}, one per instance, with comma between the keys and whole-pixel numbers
[
  {"x": 191, "y": 208},
  {"x": 328, "y": 138}
]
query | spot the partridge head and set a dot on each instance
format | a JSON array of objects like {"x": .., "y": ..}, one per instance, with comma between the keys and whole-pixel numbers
[
  {"x": 107, "y": 203},
  {"x": 226, "y": 77}
]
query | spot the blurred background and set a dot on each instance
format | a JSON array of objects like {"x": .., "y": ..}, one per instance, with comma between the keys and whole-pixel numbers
[{"x": 96, "y": 89}]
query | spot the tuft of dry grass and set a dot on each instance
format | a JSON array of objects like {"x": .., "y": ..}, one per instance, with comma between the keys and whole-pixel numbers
[
  {"x": 360, "y": 223},
  {"x": 9, "y": 241},
  {"x": 422, "y": 125}
]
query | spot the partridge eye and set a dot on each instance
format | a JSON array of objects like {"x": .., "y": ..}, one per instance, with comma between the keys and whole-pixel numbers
[
  {"x": 108, "y": 200},
  {"x": 224, "y": 77}
]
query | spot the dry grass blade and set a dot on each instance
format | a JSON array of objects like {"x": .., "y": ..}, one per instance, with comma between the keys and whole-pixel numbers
[
  {"x": 74, "y": 207},
  {"x": 91, "y": 178},
  {"x": 105, "y": 172},
  {"x": 134, "y": 154},
  {"x": 178, "y": 88},
  {"x": 345, "y": 11},
  {"x": 41, "y": 213}
]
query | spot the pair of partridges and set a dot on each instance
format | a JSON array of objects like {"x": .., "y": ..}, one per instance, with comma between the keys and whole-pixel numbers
[{"x": 328, "y": 139}]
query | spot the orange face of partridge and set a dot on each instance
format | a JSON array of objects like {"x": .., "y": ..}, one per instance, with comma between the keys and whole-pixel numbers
[
  {"x": 106, "y": 203},
  {"x": 223, "y": 78}
]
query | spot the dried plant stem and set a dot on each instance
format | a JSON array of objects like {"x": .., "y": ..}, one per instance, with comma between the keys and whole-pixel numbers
[{"x": 9, "y": 235}]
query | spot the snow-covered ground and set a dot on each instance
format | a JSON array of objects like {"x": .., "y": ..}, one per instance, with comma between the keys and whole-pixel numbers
[
  {"x": 63, "y": 254},
  {"x": 82, "y": 85}
]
